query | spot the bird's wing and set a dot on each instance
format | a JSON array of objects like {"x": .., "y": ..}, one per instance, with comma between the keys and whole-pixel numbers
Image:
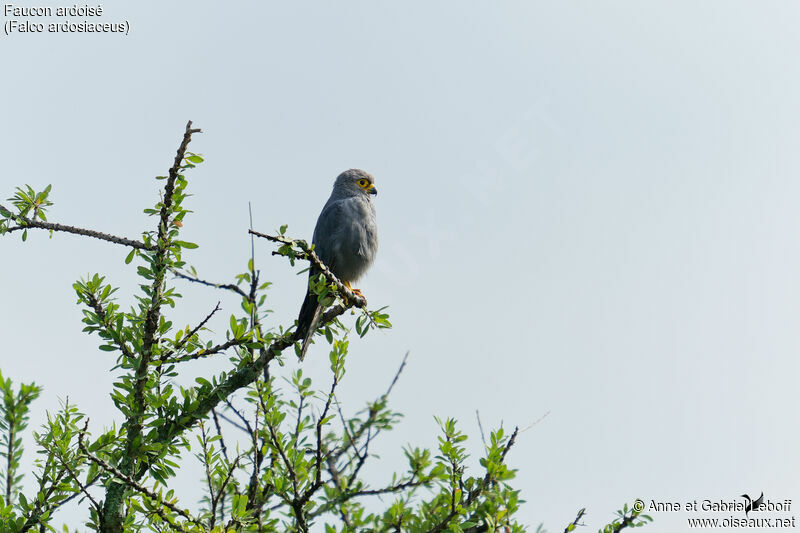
[{"x": 326, "y": 233}]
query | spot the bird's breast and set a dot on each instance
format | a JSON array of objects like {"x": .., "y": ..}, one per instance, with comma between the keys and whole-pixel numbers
[{"x": 355, "y": 244}]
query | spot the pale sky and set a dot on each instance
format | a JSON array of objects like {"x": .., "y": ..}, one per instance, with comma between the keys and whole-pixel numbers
[{"x": 586, "y": 210}]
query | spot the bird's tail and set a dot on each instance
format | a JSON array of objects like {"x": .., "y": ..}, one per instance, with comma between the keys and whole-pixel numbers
[{"x": 307, "y": 321}]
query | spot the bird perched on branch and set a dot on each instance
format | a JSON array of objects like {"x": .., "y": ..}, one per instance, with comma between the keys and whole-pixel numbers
[{"x": 345, "y": 239}]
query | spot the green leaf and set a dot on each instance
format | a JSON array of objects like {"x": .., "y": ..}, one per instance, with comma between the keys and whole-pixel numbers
[{"x": 129, "y": 258}]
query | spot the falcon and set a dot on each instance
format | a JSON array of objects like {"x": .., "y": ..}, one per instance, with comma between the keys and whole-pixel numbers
[{"x": 345, "y": 239}]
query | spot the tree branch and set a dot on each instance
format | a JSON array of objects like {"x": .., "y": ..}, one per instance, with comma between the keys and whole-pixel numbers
[
  {"x": 575, "y": 523},
  {"x": 477, "y": 491},
  {"x": 27, "y": 223},
  {"x": 246, "y": 374},
  {"x": 132, "y": 483},
  {"x": 195, "y": 279},
  {"x": 103, "y": 316},
  {"x": 201, "y": 353},
  {"x": 113, "y": 510},
  {"x": 349, "y": 495},
  {"x": 353, "y": 298},
  {"x": 196, "y": 329}
]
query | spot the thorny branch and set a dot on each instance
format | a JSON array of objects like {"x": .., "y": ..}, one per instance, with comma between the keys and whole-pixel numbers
[
  {"x": 44, "y": 505},
  {"x": 195, "y": 279},
  {"x": 205, "y": 352},
  {"x": 113, "y": 507},
  {"x": 83, "y": 488},
  {"x": 350, "y": 494},
  {"x": 27, "y": 223},
  {"x": 132, "y": 483},
  {"x": 246, "y": 374},
  {"x": 353, "y": 298},
  {"x": 102, "y": 315},
  {"x": 193, "y": 332}
]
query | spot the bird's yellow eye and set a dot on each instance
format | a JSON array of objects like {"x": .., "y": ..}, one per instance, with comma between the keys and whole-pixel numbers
[{"x": 363, "y": 183}]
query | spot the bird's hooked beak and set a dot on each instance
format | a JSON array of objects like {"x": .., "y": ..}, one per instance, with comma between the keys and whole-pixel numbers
[{"x": 372, "y": 190}]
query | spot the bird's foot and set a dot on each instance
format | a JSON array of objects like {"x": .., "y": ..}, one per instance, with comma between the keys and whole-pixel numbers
[{"x": 357, "y": 292}]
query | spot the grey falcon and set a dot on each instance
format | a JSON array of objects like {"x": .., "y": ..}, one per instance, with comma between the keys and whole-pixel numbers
[{"x": 345, "y": 239}]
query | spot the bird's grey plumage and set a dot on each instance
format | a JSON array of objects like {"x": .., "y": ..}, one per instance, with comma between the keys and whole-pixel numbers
[{"x": 345, "y": 239}]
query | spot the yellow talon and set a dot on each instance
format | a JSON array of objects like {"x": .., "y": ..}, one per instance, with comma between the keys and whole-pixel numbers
[{"x": 356, "y": 291}]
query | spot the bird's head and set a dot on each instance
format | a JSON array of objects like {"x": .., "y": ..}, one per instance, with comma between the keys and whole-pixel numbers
[{"x": 355, "y": 182}]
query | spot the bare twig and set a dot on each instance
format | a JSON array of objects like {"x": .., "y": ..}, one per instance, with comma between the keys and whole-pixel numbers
[
  {"x": 240, "y": 416},
  {"x": 397, "y": 375},
  {"x": 252, "y": 240},
  {"x": 195, "y": 279},
  {"x": 371, "y": 417},
  {"x": 219, "y": 432},
  {"x": 535, "y": 422},
  {"x": 480, "y": 427},
  {"x": 231, "y": 422},
  {"x": 364, "y": 454},
  {"x": 300, "y": 406},
  {"x": 351, "y": 440},
  {"x": 196, "y": 329}
]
